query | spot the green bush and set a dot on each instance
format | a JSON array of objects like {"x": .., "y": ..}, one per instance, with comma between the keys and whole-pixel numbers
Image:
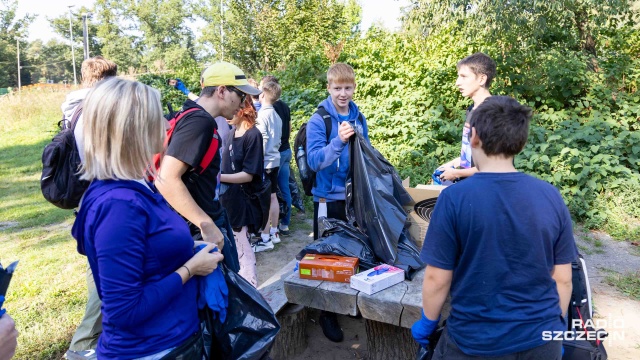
[{"x": 584, "y": 136}]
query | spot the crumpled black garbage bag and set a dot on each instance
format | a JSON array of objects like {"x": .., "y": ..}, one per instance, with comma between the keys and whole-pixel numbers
[
  {"x": 342, "y": 239},
  {"x": 408, "y": 255},
  {"x": 427, "y": 354},
  {"x": 282, "y": 205},
  {"x": 375, "y": 196},
  {"x": 296, "y": 199},
  {"x": 250, "y": 328}
]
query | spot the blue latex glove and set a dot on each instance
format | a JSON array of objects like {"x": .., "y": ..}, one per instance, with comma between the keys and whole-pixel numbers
[
  {"x": 2, "y": 311},
  {"x": 214, "y": 292},
  {"x": 180, "y": 86},
  {"x": 422, "y": 329}
]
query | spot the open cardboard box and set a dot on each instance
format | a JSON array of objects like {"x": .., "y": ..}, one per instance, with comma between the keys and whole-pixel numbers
[{"x": 417, "y": 226}]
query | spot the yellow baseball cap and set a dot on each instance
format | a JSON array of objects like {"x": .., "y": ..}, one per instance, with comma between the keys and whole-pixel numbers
[{"x": 224, "y": 73}]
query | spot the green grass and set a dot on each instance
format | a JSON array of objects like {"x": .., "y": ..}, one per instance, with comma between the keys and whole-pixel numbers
[
  {"x": 628, "y": 284},
  {"x": 48, "y": 291}
]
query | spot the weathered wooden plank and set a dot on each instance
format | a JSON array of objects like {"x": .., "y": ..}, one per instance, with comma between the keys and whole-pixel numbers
[
  {"x": 412, "y": 302},
  {"x": 384, "y": 306},
  {"x": 273, "y": 289},
  {"x": 336, "y": 297},
  {"x": 300, "y": 291}
]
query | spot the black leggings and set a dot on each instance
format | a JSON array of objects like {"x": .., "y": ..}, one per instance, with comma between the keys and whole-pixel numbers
[{"x": 335, "y": 210}]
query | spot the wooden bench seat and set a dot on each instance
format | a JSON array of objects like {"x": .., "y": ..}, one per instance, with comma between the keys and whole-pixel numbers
[{"x": 389, "y": 314}]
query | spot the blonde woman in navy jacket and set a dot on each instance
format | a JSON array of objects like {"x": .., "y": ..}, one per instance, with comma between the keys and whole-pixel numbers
[{"x": 140, "y": 251}]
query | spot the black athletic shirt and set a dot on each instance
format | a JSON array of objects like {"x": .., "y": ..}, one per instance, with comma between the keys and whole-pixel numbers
[
  {"x": 243, "y": 153},
  {"x": 189, "y": 143},
  {"x": 284, "y": 112}
]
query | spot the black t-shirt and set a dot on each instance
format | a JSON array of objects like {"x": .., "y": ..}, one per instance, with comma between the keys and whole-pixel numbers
[
  {"x": 189, "y": 143},
  {"x": 285, "y": 114},
  {"x": 243, "y": 153}
]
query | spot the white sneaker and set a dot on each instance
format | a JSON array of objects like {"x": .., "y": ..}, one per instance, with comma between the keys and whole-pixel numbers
[
  {"x": 275, "y": 238},
  {"x": 260, "y": 246}
]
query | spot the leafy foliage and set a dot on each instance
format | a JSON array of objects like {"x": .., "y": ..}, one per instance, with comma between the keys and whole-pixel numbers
[
  {"x": 265, "y": 34},
  {"x": 584, "y": 137}
]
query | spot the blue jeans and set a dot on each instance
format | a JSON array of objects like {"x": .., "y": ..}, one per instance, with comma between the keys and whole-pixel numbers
[{"x": 283, "y": 183}]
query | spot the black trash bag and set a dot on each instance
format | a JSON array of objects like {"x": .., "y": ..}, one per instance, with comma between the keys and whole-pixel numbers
[
  {"x": 296, "y": 199},
  {"x": 408, "y": 256},
  {"x": 375, "y": 196},
  {"x": 427, "y": 354},
  {"x": 282, "y": 205},
  {"x": 250, "y": 327},
  {"x": 342, "y": 239}
]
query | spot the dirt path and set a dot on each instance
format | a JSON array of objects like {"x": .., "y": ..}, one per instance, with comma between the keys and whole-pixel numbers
[
  {"x": 603, "y": 256},
  {"x": 619, "y": 313}
]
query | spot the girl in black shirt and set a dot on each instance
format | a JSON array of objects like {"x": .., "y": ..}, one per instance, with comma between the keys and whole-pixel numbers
[{"x": 242, "y": 168}]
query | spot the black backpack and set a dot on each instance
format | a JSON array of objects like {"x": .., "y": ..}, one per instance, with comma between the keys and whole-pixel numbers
[
  {"x": 580, "y": 319},
  {"x": 308, "y": 176},
  {"x": 60, "y": 182}
]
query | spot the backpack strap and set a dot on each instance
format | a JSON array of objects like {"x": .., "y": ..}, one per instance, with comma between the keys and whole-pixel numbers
[
  {"x": 328, "y": 124},
  {"x": 174, "y": 122},
  {"x": 76, "y": 115},
  {"x": 211, "y": 151}
]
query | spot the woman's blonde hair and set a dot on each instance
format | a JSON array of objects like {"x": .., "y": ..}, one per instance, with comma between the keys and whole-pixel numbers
[{"x": 123, "y": 129}]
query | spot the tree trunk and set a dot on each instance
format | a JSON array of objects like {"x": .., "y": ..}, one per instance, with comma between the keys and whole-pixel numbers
[
  {"x": 292, "y": 338},
  {"x": 389, "y": 342}
]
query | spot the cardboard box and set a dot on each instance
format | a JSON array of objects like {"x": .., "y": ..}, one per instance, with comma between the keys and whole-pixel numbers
[
  {"x": 328, "y": 267},
  {"x": 377, "y": 279},
  {"x": 418, "y": 226}
]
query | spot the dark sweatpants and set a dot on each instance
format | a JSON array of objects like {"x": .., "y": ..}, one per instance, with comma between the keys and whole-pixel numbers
[{"x": 447, "y": 349}]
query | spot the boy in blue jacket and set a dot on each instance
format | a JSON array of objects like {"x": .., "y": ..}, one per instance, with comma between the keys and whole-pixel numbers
[{"x": 330, "y": 158}]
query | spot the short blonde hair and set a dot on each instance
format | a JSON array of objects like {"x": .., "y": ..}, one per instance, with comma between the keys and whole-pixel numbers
[
  {"x": 340, "y": 73},
  {"x": 123, "y": 129},
  {"x": 271, "y": 91},
  {"x": 97, "y": 68}
]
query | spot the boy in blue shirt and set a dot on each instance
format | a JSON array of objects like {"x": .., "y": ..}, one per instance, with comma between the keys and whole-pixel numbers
[
  {"x": 504, "y": 253},
  {"x": 330, "y": 159}
]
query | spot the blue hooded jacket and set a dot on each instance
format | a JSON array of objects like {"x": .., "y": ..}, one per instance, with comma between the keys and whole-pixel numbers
[{"x": 330, "y": 160}]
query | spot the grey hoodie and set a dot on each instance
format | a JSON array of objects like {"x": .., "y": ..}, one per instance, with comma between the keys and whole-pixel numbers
[
  {"x": 68, "y": 107},
  {"x": 270, "y": 125}
]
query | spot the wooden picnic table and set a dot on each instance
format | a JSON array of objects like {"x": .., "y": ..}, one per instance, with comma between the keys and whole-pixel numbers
[{"x": 388, "y": 314}]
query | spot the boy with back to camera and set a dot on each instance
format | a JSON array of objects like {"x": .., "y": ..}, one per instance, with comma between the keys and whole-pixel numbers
[
  {"x": 475, "y": 75},
  {"x": 270, "y": 125},
  {"x": 328, "y": 156},
  {"x": 504, "y": 253}
]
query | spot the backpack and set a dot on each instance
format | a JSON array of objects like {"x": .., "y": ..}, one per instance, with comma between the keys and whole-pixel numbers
[
  {"x": 60, "y": 182},
  {"x": 580, "y": 319},
  {"x": 173, "y": 119},
  {"x": 308, "y": 176}
]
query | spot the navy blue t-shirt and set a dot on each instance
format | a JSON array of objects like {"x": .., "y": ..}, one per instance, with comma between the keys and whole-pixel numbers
[{"x": 501, "y": 234}]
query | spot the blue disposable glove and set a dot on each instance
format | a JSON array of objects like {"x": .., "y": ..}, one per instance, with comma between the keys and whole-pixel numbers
[
  {"x": 2, "y": 311},
  {"x": 422, "y": 329},
  {"x": 180, "y": 86}
]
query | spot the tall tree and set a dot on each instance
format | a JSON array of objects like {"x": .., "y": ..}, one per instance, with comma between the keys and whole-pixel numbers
[
  {"x": 11, "y": 29},
  {"x": 117, "y": 34},
  {"x": 166, "y": 40},
  {"x": 60, "y": 26},
  {"x": 266, "y": 34}
]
